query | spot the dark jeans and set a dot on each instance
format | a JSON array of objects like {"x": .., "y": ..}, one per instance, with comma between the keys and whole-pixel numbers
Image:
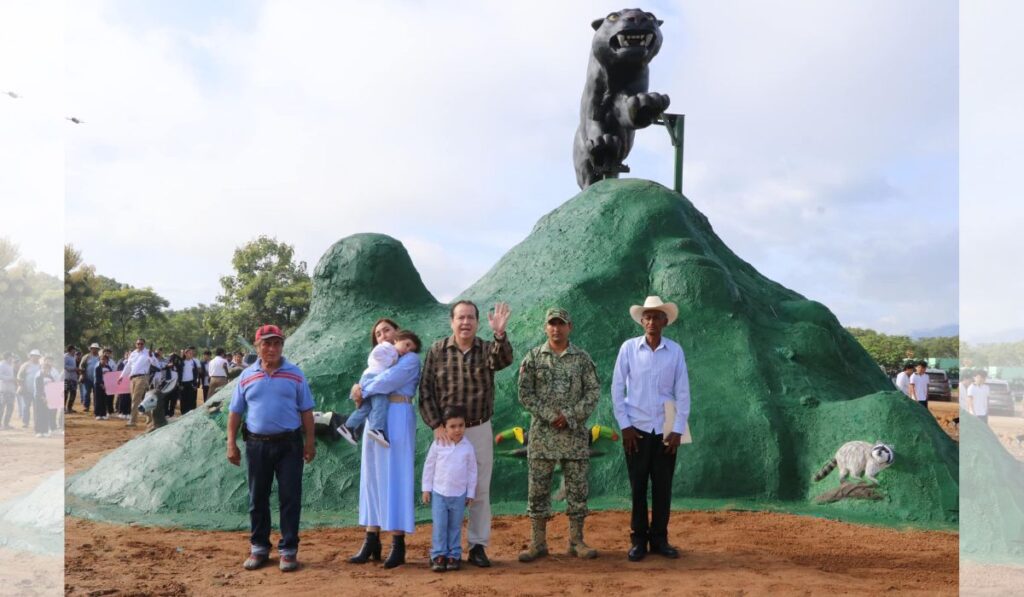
[
  {"x": 188, "y": 398},
  {"x": 651, "y": 463},
  {"x": 265, "y": 460},
  {"x": 70, "y": 391},
  {"x": 87, "y": 391}
]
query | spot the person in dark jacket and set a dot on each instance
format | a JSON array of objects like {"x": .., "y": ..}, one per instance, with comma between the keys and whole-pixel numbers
[{"x": 100, "y": 398}]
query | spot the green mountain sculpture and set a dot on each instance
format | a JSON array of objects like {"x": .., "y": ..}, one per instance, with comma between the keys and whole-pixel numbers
[{"x": 777, "y": 383}]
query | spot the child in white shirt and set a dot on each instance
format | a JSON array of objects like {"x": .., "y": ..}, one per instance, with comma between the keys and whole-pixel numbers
[
  {"x": 374, "y": 408},
  {"x": 449, "y": 485}
]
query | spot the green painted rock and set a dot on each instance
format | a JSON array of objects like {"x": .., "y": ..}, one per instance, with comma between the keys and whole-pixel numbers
[
  {"x": 992, "y": 497},
  {"x": 777, "y": 384}
]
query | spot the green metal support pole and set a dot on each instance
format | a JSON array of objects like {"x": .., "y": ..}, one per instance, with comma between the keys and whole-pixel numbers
[
  {"x": 680, "y": 128},
  {"x": 675, "y": 124}
]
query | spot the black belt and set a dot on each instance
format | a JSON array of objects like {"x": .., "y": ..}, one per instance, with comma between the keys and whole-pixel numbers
[
  {"x": 139, "y": 375},
  {"x": 276, "y": 437}
]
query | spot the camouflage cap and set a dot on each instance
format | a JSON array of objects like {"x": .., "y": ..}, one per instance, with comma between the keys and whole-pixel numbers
[{"x": 557, "y": 313}]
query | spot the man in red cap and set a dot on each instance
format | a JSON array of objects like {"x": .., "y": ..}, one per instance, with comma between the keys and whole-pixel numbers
[{"x": 275, "y": 398}]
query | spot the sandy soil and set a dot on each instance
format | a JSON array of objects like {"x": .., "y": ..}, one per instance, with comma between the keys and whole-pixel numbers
[
  {"x": 723, "y": 553},
  {"x": 944, "y": 413}
]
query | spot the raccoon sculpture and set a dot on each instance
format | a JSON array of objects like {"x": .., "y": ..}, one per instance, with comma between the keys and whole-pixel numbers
[{"x": 858, "y": 459}]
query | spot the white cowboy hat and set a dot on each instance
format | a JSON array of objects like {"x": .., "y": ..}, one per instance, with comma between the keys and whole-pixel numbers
[
  {"x": 35, "y": 353},
  {"x": 654, "y": 303},
  {"x": 94, "y": 345}
]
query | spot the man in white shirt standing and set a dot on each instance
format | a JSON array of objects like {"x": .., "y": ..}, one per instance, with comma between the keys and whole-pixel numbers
[
  {"x": 919, "y": 384},
  {"x": 137, "y": 369},
  {"x": 218, "y": 369},
  {"x": 650, "y": 371},
  {"x": 977, "y": 396},
  {"x": 903, "y": 378}
]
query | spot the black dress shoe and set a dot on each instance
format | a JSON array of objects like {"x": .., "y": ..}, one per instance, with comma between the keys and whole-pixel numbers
[
  {"x": 637, "y": 552},
  {"x": 664, "y": 549},
  {"x": 478, "y": 557}
]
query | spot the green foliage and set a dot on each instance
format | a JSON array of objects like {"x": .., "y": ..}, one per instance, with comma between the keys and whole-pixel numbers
[
  {"x": 186, "y": 327},
  {"x": 942, "y": 346},
  {"x": 32, "y": 305},
  {"x": 998, "y": 354},
  {"x": 888, "y": 351},
  {"x": 268, "y": 287},
  {"x": 127, "y": 309}
]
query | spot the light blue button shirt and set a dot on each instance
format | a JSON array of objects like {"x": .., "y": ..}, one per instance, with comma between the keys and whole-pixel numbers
[{"x": 644, "y": 380}]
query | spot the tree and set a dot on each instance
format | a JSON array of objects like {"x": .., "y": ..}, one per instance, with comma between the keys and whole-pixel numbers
[
  {"x": 131, "y": 308},
  {"x": 941, "y": 346},
  {"x": 888, "y": 351},
  {"x": 268, "y": 287},
  {"x": 32, "y": 304}
]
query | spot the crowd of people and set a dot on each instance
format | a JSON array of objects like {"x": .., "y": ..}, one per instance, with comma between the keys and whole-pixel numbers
[
  {"x": 85, "y": 380},
  {"x": 23, "y": 392},
  {"x": 271, "y": 408}
]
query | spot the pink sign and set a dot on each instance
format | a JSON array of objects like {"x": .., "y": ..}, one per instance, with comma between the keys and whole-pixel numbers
[
  {"x": 111, "y": 385},
  {"x": 54, "y": 394}
]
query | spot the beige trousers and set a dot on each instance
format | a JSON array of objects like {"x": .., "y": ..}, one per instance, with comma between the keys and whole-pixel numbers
[
  {"x": 216, "y": 383},
  {"x": 482, "y": 438},
  {"x": 139, "y": 386}
]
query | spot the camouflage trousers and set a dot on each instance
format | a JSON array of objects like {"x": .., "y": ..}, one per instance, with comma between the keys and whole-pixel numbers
[{"x": 542, "y": 471}]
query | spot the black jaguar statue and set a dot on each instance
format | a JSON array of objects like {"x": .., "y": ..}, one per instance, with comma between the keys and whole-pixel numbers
[{"x": 615, "y": 99}]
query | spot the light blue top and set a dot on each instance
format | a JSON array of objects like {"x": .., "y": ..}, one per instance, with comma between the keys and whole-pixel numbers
[
  {"x": 402, "y": 378},
  {"x": 644, "y": 380},
  {"x": 272, "y": 403}
]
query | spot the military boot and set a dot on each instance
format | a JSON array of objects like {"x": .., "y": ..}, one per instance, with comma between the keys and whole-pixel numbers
[
  {"x": 538, "y": 541},
  {"x": 576, "y": 545}
]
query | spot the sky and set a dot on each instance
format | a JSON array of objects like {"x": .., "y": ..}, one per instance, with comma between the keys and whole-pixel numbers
[{"x": 821, "y": 138}]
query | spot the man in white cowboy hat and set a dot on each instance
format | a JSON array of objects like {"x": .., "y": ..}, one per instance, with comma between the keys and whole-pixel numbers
[{"x": 650, "y": 372}]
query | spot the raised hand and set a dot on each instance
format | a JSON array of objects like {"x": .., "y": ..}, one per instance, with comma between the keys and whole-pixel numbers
[{"x": 498, "y": 318}]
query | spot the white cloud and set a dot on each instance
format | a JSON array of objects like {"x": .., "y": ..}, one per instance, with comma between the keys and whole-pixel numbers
[{"x": 450, "y": 126}]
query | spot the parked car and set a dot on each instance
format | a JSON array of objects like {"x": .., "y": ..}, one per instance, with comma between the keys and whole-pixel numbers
[
  {"x": 938, "y": 385},
  {"x": 1000, "y": 400}
]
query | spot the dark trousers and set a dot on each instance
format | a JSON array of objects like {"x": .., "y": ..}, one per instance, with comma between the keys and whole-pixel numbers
[
  {"x": 99, "y": 402},
  {"x": 172, "y": 401},
  {"x": 188, "y": 397},
  {"x": 70, "y": 391},
  {"x": 265, "y": 460},
  {"x": 923, "y": 403},
  {"x": 42, "y": 419},
  {"x": 110, "y": 404},
  {"x": 124, "y": 404},
  {"x": 651, "y": 464}
]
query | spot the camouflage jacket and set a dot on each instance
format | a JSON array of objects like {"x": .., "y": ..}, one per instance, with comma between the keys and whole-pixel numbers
[{"x": 550, "y": 384}]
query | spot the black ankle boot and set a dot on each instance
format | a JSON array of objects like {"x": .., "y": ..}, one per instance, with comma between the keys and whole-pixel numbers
[
  {"x": 369, "y": 550},
  {"x": 397, "y": 555}
]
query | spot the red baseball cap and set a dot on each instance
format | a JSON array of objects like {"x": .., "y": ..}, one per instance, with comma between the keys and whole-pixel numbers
[{"x": 268, "y": 331}]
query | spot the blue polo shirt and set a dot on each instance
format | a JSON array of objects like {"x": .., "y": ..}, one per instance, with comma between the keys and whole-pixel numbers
[{"x": 272, "y": 403}]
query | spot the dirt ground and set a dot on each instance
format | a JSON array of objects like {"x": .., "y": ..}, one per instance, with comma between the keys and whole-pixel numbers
[{"x": 722, "y": 553}]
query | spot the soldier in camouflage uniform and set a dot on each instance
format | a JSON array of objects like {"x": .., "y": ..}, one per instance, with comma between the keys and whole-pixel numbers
[{"x": 558, "y": 386}]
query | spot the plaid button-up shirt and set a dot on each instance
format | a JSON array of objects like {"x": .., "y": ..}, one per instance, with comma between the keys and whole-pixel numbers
[{"x": 453, "y": 377}]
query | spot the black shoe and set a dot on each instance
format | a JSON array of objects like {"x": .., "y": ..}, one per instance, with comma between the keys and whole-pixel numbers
[
  {"x": 478, "y": 557},
  {"x": 369, "y": 551},
  {"x": 454, "y": 564},
  {"x": 438, "y": 564},
  {"x": 639, "y": 549},
  {"x": 397, "y": 555},
  {"x": 662, "y": 548}
]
